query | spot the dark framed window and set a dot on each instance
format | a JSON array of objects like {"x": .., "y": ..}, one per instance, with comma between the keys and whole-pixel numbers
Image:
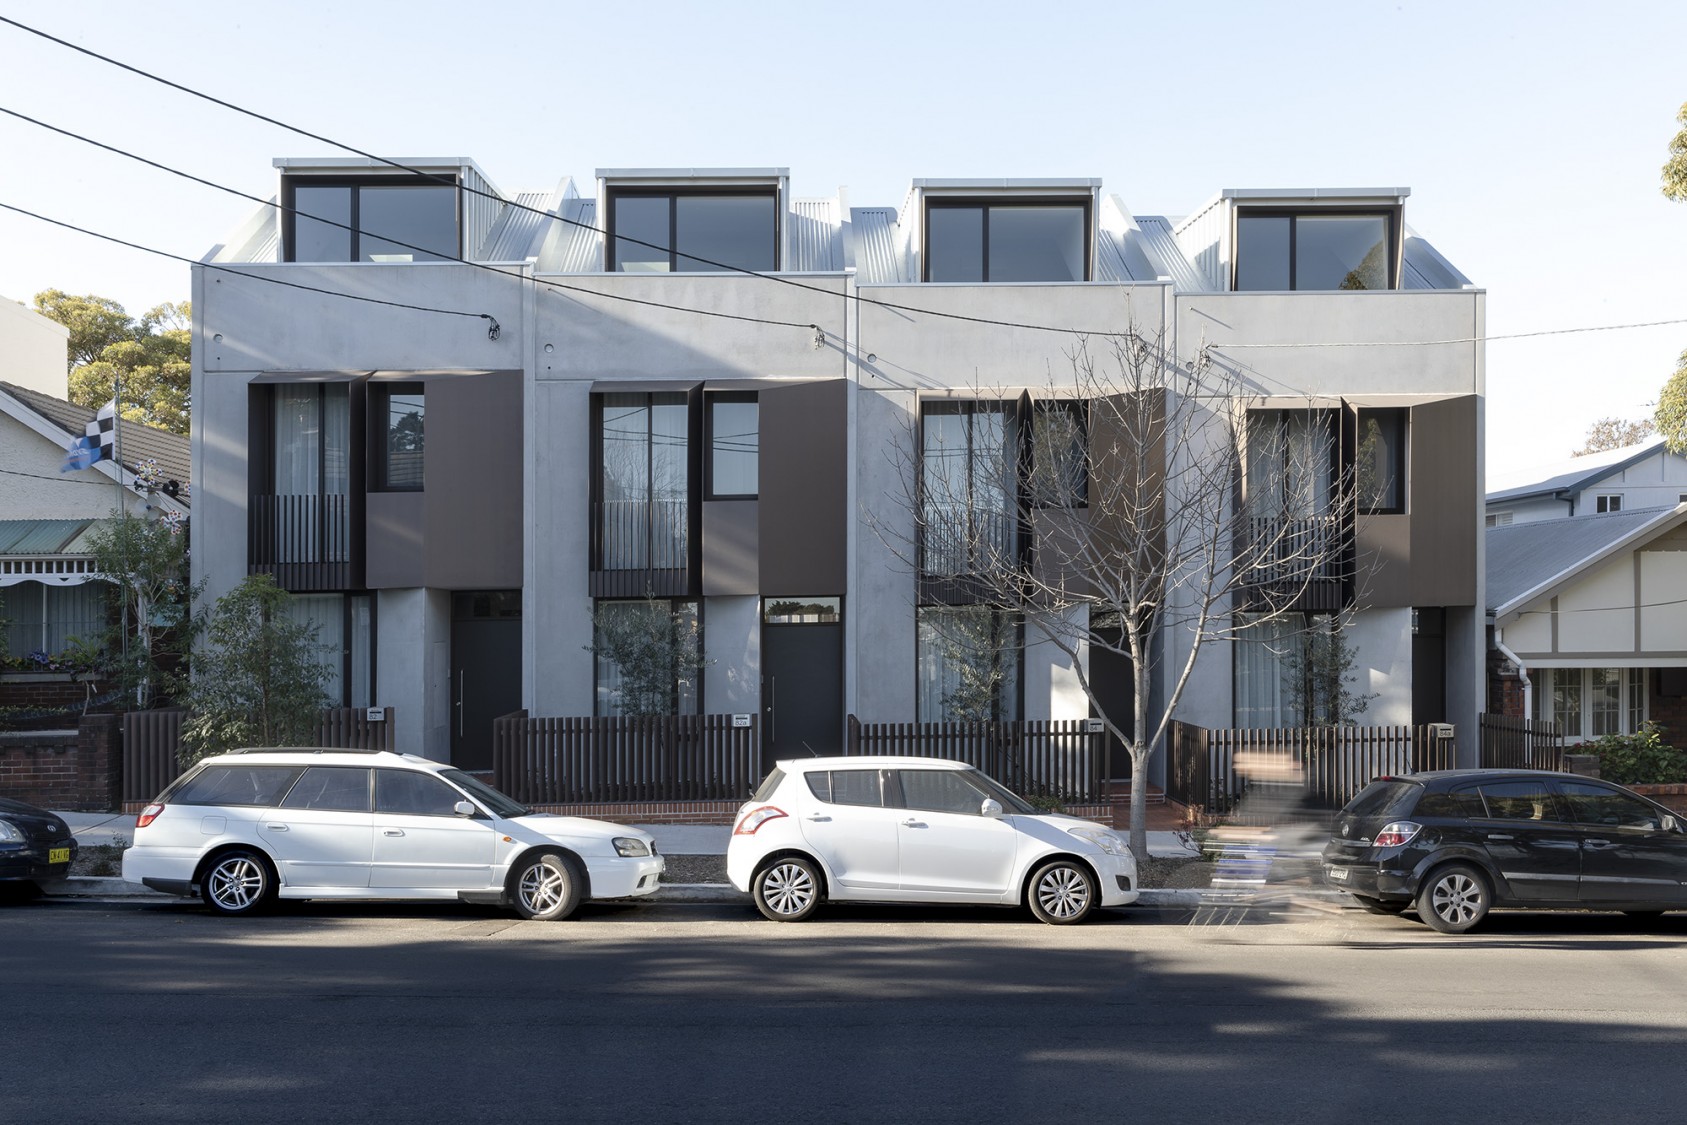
[
  {"x": 1279, "y": 250},
  {"x": 802, "y": 611},
  {"x": 642, "y": 483},
  {"x": 398, "y": 412},
  {"x": 1379, "y": 461},
  {"x": 1610, "y": 502},
  {"x": 370, "y": 219},
  {"x": 732, "y": 430},
  {"x": 705, "y": 230},
  {"x": 968, "y": 487},
  {"x": 1059, "y": 474},
  {"x": 1007, "y": 240}
]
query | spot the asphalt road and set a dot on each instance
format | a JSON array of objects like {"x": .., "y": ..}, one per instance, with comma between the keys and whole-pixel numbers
[{"x": 139, "y": 1012}]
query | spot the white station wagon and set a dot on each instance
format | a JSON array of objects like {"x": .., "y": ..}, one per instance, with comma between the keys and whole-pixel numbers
[
  {"x": 883, "y": 829},
  {"x": 245, "y": 828}
]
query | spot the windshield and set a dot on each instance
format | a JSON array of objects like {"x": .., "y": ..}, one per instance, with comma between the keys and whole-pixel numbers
[
  {"x": 1010, "y": 802},
  {"x": 484, "y": 793}
]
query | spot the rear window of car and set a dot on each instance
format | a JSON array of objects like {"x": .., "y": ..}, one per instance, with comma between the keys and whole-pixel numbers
[
  {"x": 846, "y": 787},
  {"x": 234, "y": 785},
  {"x": 1385, "y": 797}
]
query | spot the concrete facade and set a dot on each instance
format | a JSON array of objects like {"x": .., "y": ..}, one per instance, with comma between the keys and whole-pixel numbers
[{"x": 842, "y": 346}]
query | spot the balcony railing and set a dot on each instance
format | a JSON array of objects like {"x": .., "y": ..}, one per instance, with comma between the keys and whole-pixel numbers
[
  {"x": 640, "y": 547},
  {"x": 1306, "y": 560},
  {"x": 303, "y": 542}
]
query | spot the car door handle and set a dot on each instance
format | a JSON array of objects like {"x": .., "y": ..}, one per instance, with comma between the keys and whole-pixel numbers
[
  {"x": 1500, "y": 836},
  {"x": 275, "y": 828},
  {"x": 1598, "y": 843},
  {"x": 392, "y": 831},
  {"x": 818, "y": 819},
  {"x": 912, "y": 823}
]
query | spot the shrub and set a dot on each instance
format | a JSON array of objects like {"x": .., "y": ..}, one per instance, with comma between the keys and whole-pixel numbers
[{"x": 1642, "y": 758}]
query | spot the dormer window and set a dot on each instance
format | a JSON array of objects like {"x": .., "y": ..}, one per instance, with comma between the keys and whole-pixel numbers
[
  {"x": 972, "y": 240},
  {"x": 370, "y": 219},
  {"x": 711, "y": 230},
  {"x": 1279, "y": 250}
]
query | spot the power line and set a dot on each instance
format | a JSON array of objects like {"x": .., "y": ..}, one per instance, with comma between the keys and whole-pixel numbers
[
  {"x": 1459, "y": 340},
  {"x": 493, "y": 331}
]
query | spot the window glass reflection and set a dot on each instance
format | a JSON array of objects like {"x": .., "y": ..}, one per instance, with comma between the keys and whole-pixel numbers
[
  {"x": 734, "y": 438},
  {"x": 955, "y": 244},
  {"x": 642, "y": 217},
  {"x": 425, "y": 218},
  {"x": 1341, "y": 252},
  {"x": 315, "y": 241},
  {"x": 1262, "y": 253},
  {"x": 714, "y": 233},
  {"x": 1036, "y": 244}
]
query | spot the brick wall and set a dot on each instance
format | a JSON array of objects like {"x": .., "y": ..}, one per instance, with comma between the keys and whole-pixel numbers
[
  {"x": 70, "y": 770},
  {"x": 62, "y": 695}
]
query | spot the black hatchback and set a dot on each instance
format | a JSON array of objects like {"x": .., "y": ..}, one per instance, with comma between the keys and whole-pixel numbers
[
  {"x": 34, "y": 845},
  {"x": 1454, "y": 843}
]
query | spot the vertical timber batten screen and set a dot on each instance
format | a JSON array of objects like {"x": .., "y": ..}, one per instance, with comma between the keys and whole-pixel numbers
[
  {"x": 584, "y": 760},
  {"x": 1060, "y": 758},
  {"x": 1520, "y": 744}
]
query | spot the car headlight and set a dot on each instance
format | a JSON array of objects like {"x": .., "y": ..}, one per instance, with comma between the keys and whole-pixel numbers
[
  {"x": 1103, "y": 839},
  {"x": 630, "y": 846},
  {"x": 9, "y": 833}
]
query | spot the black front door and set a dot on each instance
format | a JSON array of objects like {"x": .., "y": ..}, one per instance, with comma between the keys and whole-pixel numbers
[
  {"x": 802, "y": 686},
  {"x": 1114, "y": 681},
  {"x": 485, "y": 670}
]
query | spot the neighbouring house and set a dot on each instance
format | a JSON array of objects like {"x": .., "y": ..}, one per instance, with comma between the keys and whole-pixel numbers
[
  {"x": 1587, "y": 619},
  {"x": 464, "y": 422},
  {"x": 1643, "y": 475},
  {"x": 50, "y": 592}
]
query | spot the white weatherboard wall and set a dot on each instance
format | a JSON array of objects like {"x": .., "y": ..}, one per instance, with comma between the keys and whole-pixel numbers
[{"x": 32, "y": 488}]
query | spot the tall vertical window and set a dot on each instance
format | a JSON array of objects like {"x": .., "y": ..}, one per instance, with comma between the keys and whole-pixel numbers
[
  {"x": 1279, "y": 250},
  {"x": 1002, "y": 240},
  {"x": 1291, "y": 463},
  {"x": 643, "y": 481},
  {"x": 399, "y": 411},
  {"x": 969, "y": 668},
  {"x": 385, "y": 219},
  {"x": 310, "y": 471},
  {"x": 1059, "y": 456},
  {"x": 968, "y": 481},
  {"x": 38, "y": 617},
  {"x": 702, "y": 231},
  {"x": 1379, "y": 462},
  {"x": 734, "y": 437}
]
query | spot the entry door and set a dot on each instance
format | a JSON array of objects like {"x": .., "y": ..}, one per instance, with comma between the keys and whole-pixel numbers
[
  {"x": 485, "y": 671},
  {"x": 802, "y": 690},
  {"x": 1114, "y": 681}
]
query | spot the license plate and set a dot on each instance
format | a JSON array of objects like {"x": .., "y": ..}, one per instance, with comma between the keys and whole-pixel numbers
[
  {"x": 58, "y": 855},
  {"x": 1338, "y": 874}
]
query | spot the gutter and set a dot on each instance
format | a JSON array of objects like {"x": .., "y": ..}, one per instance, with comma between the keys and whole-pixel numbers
[{"x": 1522, "y": 672}]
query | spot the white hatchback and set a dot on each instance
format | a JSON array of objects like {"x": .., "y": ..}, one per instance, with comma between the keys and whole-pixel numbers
[
  {"x": 883, "y": 829},
  {"x": 245, "y": 828}
]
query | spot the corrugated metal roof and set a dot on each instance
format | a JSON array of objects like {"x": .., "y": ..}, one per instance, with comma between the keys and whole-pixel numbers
[
  {"x": 42, "y": 537},
  {"x": 1525, "y": 556},
  {"x": 173, "y": 452},
  {"x": 578, "y": 247},
  {"x": 878, "y": 258},
  {"x": 816, "y": 236},
  {"x": 519, "y": 229},
  {"x": 1159, "y": 244},
  {"x": 1570, "y": 475},
  {"x": 1427, "y": 269}
]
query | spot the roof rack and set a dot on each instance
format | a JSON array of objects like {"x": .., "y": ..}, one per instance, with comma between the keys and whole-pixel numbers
[{"x": 307, "y": 750}]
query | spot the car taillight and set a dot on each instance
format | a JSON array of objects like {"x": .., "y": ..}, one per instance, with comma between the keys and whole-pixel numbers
[
  {"x": 1396, "y": 833},
  {"x": 755, "y": 819},
  {"x": 148, "y": 815}
]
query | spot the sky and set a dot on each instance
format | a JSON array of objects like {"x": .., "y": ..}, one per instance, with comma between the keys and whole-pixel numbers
[{"x": 1530, "y": 134}]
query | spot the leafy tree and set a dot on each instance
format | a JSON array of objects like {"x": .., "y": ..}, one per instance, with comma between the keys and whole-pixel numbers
[
  {"x": 1675, "y": 168},
  {"x": 260, "y": 679},
  {"x": 1615, "y": 433},
  {"x": 1671, "y": 415},
  {"x": 146, "y": 563},
  {"x": 150, "y": 356},
  {"x": 1318, "y": 676},
  {"x": 656, "y": 650}
]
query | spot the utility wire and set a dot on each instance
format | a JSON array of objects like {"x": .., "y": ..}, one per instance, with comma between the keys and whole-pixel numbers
[
  {"x": 493, "y": 331},
  {"x": 1459, "y": 340}
]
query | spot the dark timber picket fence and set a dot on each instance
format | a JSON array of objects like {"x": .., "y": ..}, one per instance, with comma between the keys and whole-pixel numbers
[
  {"x": 633, "y": 758},
  {"x": 1062, "y": 758}
]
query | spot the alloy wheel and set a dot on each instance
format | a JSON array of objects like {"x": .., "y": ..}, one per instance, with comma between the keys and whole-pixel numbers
[
  {"x": 788, "y": 888},
  {"x": 542, "y": 887},
  {"x": 1457, "y": 898},
  {"x": 1063, "y": 892},
  {"x": 237, "y": 883}
]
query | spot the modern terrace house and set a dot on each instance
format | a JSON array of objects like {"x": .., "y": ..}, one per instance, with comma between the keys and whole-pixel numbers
[{"x": 466, "y": 423}]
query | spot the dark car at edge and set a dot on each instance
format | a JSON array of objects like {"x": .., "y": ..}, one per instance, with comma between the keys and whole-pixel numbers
[
  {"x": 35, "y": 845},
  {"x": 1454, "y": 844}
]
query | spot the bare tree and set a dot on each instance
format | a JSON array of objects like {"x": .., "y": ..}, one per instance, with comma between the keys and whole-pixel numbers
[
  {"x": 1615, "y": 433},
  {"x": 1140, "y": 508}
]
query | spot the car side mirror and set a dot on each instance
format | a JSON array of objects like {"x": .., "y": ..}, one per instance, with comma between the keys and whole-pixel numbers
[
  {"x": 1670, "y": 824},
  {"x": 463, "y": 808},
  {"x": 990, "y": 807}
]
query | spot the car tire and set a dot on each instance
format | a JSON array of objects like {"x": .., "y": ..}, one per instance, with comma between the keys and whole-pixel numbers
[
  {"x": 238, "y": 882},
  {"x": 787, "y": 889},
  {"x": 1061, "y": 892},
  {"x": 546, "y": 887},
  {"x": 1454, "y": 898}
]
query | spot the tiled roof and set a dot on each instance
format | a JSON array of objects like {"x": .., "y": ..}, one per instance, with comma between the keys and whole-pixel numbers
[{"x": 173, "y": 452}]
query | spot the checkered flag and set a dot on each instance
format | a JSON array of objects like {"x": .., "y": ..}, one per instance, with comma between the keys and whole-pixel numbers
[{"x": 98, "y": 441}]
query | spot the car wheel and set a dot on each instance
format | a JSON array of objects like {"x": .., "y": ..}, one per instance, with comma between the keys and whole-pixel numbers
[
  {"x": 547, "y": 887},
  {"x": 787, "y": 890},
  {"x": 1062, "y": 892},
  {"x": 238, "y": 882},
  {"x": 1454, "y": 898},
  {"x": 21, "y": 891}
]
